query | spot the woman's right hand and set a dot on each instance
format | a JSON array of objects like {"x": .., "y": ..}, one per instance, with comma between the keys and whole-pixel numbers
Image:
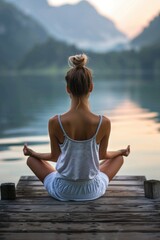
[{"x": 27, "y": 151}]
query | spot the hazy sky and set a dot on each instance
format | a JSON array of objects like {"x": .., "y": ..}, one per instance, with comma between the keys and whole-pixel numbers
[{"x": 130, "y": 16}]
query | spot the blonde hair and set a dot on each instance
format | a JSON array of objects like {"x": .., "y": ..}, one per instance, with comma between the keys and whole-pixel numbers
[
  {"x": 79, "y": 77},
  {"x": 78, "y": 60}
]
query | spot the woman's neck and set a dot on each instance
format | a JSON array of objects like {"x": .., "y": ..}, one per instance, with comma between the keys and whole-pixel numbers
[{"x": 80, "y": 103}]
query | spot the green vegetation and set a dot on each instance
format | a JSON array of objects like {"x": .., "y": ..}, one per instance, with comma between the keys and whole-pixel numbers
[
  {"x": 48, "y": 55},
  {"x": 51, "y": 57},
  {"x": 150, "y": 35},
  {"x": 137, "y": 62},
  {"x": 18, "y": 34},
  {"x": 25, "y": 48}
]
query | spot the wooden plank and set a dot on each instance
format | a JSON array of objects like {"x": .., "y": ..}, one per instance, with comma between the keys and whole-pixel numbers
[
  {"x": 78, "y": 208},
  {"x": 52, "y": 227},
  {"x": 121, "y": 177},
  {"x": 112, "y": 183},
  {"x": 103, "y": 200},
  {"x": 117, "y": 188},
  {"x": 130, "y": 177},
  {"x": 144, "y": 217},
  {"x": 82, "y": 236},
  {"x": 110, "y": 193},
  {"x": 42, "y": 188},
  {"x": 123, "y": 213}
]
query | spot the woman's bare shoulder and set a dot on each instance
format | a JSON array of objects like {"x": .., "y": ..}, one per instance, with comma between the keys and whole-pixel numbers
[
  {"x": 53, "y": 122},
  {"x": 53, "y": 119},
  {"x": 106, "y": 125},
  {"x": 106, "y": 121}
]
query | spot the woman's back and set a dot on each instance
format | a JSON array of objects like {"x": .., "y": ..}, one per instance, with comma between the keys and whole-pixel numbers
[
  {"x": 79, "y": 159},
  {"x": 79, "y": 125}
]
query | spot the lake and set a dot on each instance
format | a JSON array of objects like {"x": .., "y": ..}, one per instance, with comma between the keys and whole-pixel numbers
[{"x": 27, "y": 102}]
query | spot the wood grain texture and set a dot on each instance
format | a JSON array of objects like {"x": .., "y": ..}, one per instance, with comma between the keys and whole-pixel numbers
[
  {"x": 81, "y": 236},
  {"x": 122, "y": 213}
]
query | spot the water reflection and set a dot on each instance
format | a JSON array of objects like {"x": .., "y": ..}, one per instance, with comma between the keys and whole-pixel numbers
[{"x": 26, "y": 104}]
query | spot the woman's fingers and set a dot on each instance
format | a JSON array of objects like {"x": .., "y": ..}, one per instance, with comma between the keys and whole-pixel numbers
[
  {"x": 128, "y": 150},
  {"x": 25, "y": 149}
]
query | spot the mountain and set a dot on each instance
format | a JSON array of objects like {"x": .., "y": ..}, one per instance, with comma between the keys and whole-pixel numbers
[
  {"x": 49, "y": 54},
  {"x": 18, "y": 34},
  {"x": 53, "y": 55},
  {"x": 150, "y": 35},
  {"x": 78, "y": 24}
]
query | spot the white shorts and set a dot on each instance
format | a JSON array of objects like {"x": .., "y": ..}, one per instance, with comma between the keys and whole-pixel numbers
[{"x": 65, "y": 190}]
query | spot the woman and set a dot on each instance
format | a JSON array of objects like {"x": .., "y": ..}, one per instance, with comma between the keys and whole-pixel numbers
[{"x": 79, "y": 140}]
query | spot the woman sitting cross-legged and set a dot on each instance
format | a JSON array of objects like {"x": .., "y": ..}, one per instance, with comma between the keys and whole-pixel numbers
[{"x": 78, "y": 140}]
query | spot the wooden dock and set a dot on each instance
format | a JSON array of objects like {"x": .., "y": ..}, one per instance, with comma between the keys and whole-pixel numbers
[{"x": 122, "y": 214}]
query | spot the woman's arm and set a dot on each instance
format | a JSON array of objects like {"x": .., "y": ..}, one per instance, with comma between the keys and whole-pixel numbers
[
  {"x": 42, "y": 156},
  {"x": 105, "y": 130},
  {"x": 103, "y": 153},
  {"x": 122, "y": 152},
  {"x": 55, "y": 149},
  {"x": 113, "y": 154}
]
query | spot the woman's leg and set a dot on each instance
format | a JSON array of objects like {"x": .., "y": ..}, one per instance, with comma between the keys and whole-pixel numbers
[
  {"x": 40, "y": 168},
  {"x": 111, "y": 166}
]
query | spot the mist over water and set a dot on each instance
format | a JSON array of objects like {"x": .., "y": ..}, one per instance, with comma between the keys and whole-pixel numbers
[{"x": 26, "y": 104}]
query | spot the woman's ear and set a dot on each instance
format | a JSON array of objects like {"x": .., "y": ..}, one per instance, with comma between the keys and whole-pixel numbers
[
  {"x": 68, "y": 90},
  {"x": 91, "y": 87}
]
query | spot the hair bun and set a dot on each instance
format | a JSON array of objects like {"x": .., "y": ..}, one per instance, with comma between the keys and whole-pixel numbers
[{"x": 78, "y": 60}]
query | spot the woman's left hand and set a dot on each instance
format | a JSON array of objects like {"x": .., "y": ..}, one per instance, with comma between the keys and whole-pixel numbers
[{"x": 125, "y": 152}]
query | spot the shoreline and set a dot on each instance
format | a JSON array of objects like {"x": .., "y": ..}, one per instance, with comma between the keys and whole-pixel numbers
[{"x": 98, "y": 72}]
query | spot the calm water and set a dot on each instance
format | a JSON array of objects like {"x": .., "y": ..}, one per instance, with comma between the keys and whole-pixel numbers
[{"x": 133, "y": 105}]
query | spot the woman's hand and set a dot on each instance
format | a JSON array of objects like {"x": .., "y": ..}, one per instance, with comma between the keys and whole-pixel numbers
[
  {"x": 125, "y": 152},
  {"x": 27, "y": 151}
]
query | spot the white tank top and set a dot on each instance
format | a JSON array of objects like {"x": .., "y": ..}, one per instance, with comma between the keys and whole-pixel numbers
[{"x": 79, "y": 160}]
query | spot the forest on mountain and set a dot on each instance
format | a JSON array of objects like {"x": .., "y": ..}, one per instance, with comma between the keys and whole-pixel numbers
[
  {"x": 19, "y": 33},
  {"x": 26, "y": 46},
  {"x": 54, "y": 55},
  {"x": 150, "y": 35}
]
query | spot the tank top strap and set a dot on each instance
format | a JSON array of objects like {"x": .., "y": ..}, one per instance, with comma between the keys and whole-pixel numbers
[
  {"x": 100, "y": 122},
  {"x": 60, "y": 123}
]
